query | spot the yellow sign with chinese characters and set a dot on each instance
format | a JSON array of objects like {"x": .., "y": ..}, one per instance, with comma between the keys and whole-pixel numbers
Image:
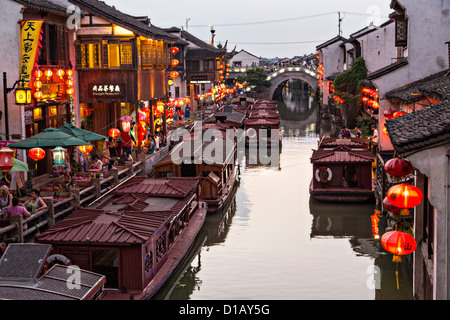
[{"x": 30, "y": 36}]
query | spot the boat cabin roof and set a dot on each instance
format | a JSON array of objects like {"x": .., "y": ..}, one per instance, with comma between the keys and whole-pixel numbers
[{"x": 342, "y": 155}]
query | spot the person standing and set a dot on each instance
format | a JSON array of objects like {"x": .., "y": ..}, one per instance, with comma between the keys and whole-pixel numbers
[
  {"x": 358, "y": 133},
  {"x": 125, "y": 141}
]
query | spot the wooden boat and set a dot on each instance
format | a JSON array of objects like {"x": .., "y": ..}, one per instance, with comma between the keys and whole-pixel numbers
[
  {"x": 136, "y": 237},
  {"x": 342, "y": 171},
  {"x": 215, "y": 168},
  {"x": 263, "y": 124}
]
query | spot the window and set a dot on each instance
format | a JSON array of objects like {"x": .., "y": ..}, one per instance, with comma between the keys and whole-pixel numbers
[
  {"x": 401, "y": 31},
  {"x": 113, "y": 56},
  {"x": 90, "y": 55},
  {"x": 126, "y": 53},
  {"x": 146, "y": 55}
]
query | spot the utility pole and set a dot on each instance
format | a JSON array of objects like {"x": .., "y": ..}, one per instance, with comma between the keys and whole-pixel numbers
[{"x": 340, "y": 20}]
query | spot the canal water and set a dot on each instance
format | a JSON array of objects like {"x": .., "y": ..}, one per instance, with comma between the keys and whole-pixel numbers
[{"x": 274, "y": 242}]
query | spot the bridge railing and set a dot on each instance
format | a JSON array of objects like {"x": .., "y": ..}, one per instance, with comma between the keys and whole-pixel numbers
[{"x": 292, "y": 69}]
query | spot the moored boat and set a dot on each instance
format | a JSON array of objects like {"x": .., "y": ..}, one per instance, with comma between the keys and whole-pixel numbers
[
  {"x": 342, "y": 171},
  {"x": 214, "y": 163},
  {"x": 136, "y": 237}
]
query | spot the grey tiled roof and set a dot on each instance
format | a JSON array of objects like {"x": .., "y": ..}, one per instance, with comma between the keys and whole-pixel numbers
[
  {"x": 436, "y": 86},
  {"x": 421, "y": 129},
  {"x": 201, "y": 53},
  {"x": 110, "y": 13},
  {"x": 385, "y": 70},
  {"x": 44, "y": 5}
]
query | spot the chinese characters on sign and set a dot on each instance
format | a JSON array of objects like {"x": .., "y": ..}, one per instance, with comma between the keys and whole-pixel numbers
[
  {"x": 29, "y": 42},
  {"x": 106, "y": 90}
]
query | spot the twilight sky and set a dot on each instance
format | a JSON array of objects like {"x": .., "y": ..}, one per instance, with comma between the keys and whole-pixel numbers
[{"x": 281, "y": 28}]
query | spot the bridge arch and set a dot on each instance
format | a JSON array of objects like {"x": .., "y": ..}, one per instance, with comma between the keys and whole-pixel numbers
[{"x": 285, "y": 74}]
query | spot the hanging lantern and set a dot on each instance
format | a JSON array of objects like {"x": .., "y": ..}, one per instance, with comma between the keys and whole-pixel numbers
[
  {"x": 175, "y": 50},
  {"x": 389, "y": 114},
  {"x": 390, "y": 207},
  {"x": 170, "y": 82},
  {"x": 38, "y": 95},
  {"x": 69, "y": 82},
  {"x": 175, "y": 62},
  {"x": 38, "y": 73},
  {"x": 37, "y": 84},
  {"x": 398, "y": 167},
  {"x": 114, "y": 133},
  {"x": 174, "y": 74},
  {"x": 126, "y": 123},
  {"x": 399, "y": 114},
  {"x": 69, "y": 72},
  {"x": 404, "y": 196},
  {"x": 59, "y": 156},
  {"x": 6, "y": 159},
  {"x": 36, "y": 154},
  {"x": 385, "y": 131},
  {"x": 22, "y": 95},
  {"x": 85, "y": 149},
  {"x": 48, "y": 73},
  {"x": 69, "y": 91},
  {"x": 398, "y": 243},
  {"x": 60, "y": 73}
]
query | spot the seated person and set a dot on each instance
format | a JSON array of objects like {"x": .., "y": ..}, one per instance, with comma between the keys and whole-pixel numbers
[
  {"x": 125, "y": 157},
  {"x": 36, "y": 201},
  {"x": 16, "y": 210},
  {"x": 97, "y": 164},
  {"x": 150, "y": 145},
  {"x": 110, "y": 165}
]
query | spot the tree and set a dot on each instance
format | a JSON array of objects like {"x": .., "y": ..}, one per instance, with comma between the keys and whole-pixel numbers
[
  {"x": 348, "y": 86},
  {"x": 255, "y": 77}
]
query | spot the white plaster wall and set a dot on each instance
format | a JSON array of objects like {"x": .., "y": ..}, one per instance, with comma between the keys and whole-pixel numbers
[
  {"x": 432, "y": 162},
  {"x": 378, "y": 47},
  {"x": 333, "y": 62},
  {"x": 245, "y": 58},
  {"x": 428, "y": 32}
]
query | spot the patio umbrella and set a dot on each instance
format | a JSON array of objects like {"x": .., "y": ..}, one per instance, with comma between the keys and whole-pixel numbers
[
  {"x": 49, "y": 138},
  {"x": 18, "y": 166},
  {"x": 81, "y": 133}
]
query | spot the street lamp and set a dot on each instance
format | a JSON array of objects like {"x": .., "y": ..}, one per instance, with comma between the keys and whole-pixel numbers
[{"x": 22, "y": 97}]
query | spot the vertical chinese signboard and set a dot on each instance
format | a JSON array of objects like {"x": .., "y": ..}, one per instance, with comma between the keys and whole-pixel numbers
[{"x": 30, "y": 41}]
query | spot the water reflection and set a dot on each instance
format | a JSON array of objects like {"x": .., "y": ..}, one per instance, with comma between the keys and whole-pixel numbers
[{"x": 274, "y": 241}]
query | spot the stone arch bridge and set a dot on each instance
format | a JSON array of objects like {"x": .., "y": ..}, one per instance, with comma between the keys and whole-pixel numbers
[{"x": 287, "y": 73}]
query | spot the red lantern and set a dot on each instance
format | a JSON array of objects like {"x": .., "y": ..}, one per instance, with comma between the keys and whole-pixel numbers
[
  {"x": 175, "y": 62},
  {"x": 36, "y": 154},
  {"x": 398, "y": 243},
  {"x": 175, "y": 50},
  {"x": 389, "y": 114},
  {"x": 399, "y": 114},
  {"x": 390, "y": 207},
  {"x": 6, "y": 159},
  {"x": 114, "y": 133},
  {"x": 404, "y": 196},
  {"x": 174, "y": 74},
  {"x": 86, "y": 149},
  {"x": 385, "y": 132},
  {"x": 398, "y": 167}
]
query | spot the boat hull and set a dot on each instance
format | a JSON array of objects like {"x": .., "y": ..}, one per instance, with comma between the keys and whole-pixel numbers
[{"x": 341, "y": 195}]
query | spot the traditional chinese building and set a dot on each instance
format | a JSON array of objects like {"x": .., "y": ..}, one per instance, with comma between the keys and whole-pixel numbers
[
  {"x": 36, "y": 49},
  {"x": 121, "y": 62}
]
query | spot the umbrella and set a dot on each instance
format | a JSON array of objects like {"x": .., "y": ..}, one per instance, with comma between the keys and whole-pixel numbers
[
  {"x": 48, "y": 138},
  {"x": 18, "y": 166},
  {"x": 81, "y": 133}
]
